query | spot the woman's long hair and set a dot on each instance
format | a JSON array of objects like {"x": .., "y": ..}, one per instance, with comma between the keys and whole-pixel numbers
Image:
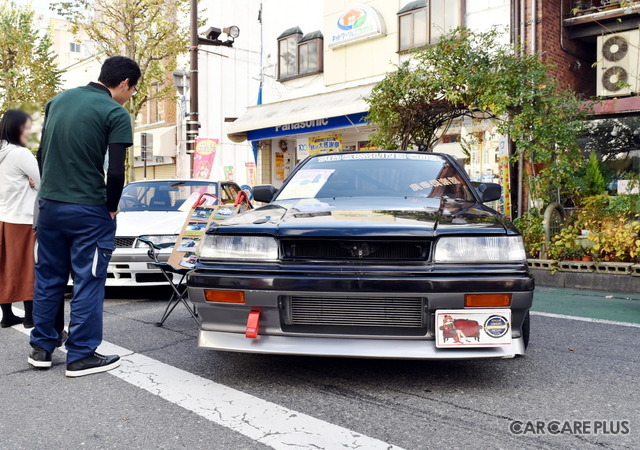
[{"x": 11, "y": 125}]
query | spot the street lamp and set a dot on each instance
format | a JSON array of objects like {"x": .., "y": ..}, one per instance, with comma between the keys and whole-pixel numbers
[{"x": 212, "y": 37}]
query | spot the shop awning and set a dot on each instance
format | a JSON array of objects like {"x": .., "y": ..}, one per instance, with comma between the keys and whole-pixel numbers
[
  {"x": 336, "y": 109},
  {"x": 164, "y": 141}
]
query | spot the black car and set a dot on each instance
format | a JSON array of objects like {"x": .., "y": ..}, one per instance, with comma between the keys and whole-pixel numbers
[{"x": 367, "y": 254}]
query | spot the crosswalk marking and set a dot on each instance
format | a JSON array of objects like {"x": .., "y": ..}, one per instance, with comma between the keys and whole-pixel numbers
[
  {"x": 258, "y": 419},
  {"x": 585, "y": 319}
]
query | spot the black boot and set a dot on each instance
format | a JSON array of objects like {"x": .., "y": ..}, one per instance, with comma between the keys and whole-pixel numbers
[
  {"x": 9, "y": 319},
  {"x": 28, "y": 314}
]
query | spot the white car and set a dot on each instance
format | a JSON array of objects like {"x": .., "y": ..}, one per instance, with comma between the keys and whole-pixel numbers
[{"x": 155, "y": 210}]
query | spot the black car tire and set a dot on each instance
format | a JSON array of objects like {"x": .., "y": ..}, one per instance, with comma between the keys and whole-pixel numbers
[{"x": 526, "y": 328}]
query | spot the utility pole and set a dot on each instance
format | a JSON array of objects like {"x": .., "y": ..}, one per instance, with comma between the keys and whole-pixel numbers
[
  {"x": 193, "y": 124},
  {"x": 212, "y": 38}
]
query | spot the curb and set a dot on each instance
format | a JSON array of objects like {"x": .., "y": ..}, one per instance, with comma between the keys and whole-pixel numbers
[{"x": 582, "y": 280}]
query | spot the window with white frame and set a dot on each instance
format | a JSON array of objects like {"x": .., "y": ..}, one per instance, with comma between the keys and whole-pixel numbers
[
  {"x": 75, "y": 47},
  {"x": 422, "y": 22}
]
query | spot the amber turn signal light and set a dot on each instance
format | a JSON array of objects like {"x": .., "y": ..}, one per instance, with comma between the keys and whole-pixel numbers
[
  {"x": 224, "y": 296},
  {"x": 484, "y": 300}
]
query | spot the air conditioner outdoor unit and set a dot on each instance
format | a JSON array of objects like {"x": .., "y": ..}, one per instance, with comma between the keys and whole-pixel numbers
[{"x": 617, "y": 69}]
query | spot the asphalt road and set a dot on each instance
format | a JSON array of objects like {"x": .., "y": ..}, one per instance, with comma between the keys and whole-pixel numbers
[{"x": 574, "y": 371}]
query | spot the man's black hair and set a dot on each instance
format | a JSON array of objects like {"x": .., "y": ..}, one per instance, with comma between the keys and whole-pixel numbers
[
  {"x": 117, "y": 69},
  {"x": 11, "y": 125}
]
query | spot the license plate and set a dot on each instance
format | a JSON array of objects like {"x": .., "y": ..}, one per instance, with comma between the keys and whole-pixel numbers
[{"x": 473, "y": 329}]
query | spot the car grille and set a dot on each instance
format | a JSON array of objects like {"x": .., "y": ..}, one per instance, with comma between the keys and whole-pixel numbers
[
  {"x": 356, "y": 250},
  {"x": 125, "y": 242},
  {"x": 354, "y": 315}
]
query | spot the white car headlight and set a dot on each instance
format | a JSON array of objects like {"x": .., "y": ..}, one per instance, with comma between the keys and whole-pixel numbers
[
  {"x": 249, "y": 248},
  {"x": 158, "y": 239},
  {"x": 500, "y": 249}
]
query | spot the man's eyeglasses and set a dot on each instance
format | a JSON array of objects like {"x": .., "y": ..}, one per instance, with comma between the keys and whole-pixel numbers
[{"x": 135, "y": 90}]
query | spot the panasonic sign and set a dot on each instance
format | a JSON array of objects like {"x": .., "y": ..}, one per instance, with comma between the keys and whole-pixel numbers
[{"x": 302, "y": 125}]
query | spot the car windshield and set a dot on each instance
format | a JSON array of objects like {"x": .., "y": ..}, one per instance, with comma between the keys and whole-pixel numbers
[
  {"x": 162, "y": 195},
  {"x": 380, "y": 174}
]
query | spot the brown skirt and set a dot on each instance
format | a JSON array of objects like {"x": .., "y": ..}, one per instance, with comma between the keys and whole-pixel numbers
[{"x": 16, "y": 262}]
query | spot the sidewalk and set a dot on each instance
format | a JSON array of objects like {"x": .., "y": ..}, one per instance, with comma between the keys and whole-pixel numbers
[
  {"x": 591, "y": 281},
  {"x": 620, "y": 307}
]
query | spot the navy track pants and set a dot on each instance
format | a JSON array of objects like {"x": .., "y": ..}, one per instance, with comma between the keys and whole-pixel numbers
[{"x": 76, "y": 239}]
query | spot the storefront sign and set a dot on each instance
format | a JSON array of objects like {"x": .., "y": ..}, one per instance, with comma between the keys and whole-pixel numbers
[
  {"x": 282, "y": 165},
  {"x": 302, "y": 149},
  {"x": 203, "y": 157},
  {"x": 312, "y": 126},
  {"x": 356, "y": 23},
  {"x": 325, "y": 144},
  {"x": 303, "y": 125},
  {"x": 365, "y": 146}
]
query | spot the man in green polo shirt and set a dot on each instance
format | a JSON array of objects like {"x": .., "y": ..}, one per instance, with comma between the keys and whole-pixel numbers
[{"x": 77, "y": 220}]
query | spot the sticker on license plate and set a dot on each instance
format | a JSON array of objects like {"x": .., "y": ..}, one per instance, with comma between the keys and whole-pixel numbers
[{"x": 468, "y": 328}]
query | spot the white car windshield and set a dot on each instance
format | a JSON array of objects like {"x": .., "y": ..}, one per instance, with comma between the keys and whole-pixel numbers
[
  {"x": 162, "y": 195},
  {"x": 380, "y": 174}
]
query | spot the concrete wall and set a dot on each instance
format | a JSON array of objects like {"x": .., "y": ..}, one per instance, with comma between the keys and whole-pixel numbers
[{"x": 367, "y": 60}]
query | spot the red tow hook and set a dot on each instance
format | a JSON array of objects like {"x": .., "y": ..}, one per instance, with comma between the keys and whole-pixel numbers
[{"x": 252, "y": 325}]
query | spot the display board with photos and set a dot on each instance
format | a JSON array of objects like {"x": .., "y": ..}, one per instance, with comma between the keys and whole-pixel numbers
[{"x": 199, "y": 219}]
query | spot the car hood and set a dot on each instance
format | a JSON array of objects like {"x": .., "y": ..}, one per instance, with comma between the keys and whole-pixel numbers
[
  {"x": 367, "y": 216},
  {"x": 138, "y": 223}
]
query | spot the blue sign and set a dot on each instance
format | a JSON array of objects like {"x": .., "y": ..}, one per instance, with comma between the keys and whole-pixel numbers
[{"x": 310, "y": 126}]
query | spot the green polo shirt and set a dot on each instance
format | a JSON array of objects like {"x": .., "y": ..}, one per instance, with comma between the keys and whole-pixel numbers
[{"x": 79, "y": 126}]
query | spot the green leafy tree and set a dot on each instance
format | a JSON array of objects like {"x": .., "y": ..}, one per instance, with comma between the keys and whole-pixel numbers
[
  {"x": 29, "y": 76},
  {"x": 147, "y": 31},
  {"x": 472, "y": 73}
]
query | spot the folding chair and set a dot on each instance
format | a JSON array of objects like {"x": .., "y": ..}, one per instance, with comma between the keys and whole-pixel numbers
[{"x": 179, "y": 294}]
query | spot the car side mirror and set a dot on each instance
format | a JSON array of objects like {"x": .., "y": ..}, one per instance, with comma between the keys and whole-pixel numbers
[
  {"x": 490, "y": 192},
  {"x": 264, "y": 193}
]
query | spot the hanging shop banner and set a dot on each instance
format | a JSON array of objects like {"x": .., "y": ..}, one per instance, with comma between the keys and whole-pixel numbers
[
  {"x": 356, "y": 23},
  {"x": 504, "y": 205},
  {"x": 228, "y": 173},
  {"x": 325, "y": 144},
  {"x": 203, "y": 157},
  {"x": 250, "y": 167}
]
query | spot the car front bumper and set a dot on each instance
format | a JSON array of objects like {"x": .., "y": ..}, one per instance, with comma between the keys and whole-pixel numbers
[
  {"x": 133, "y": 267},
  {"x": 350, "y": 347},
  {"x": 224, "y": 325}
]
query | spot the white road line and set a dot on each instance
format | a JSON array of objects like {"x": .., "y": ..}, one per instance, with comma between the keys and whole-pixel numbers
[
  {"x": 586, "y": 319},
  {"x": 258, "y": 419}
]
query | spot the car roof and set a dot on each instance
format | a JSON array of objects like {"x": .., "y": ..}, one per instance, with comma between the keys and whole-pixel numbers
[
  {"x": 415, "y": 152},
  {"x": 179, "y": 180}
]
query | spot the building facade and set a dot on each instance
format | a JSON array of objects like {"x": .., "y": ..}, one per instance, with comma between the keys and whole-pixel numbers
[
  {"x": 318, "y": 69},
  {"x": 604, "y": 39}
]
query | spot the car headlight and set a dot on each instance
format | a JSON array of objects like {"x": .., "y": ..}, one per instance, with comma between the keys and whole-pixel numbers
[
  {"x": 248, "y": 248},
  {"x": 158, "y": 239},
  {"x": 500, "y": 249}
]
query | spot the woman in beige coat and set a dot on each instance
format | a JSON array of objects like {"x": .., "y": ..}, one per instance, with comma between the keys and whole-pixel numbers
[{"x": 19, "y": 181}]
